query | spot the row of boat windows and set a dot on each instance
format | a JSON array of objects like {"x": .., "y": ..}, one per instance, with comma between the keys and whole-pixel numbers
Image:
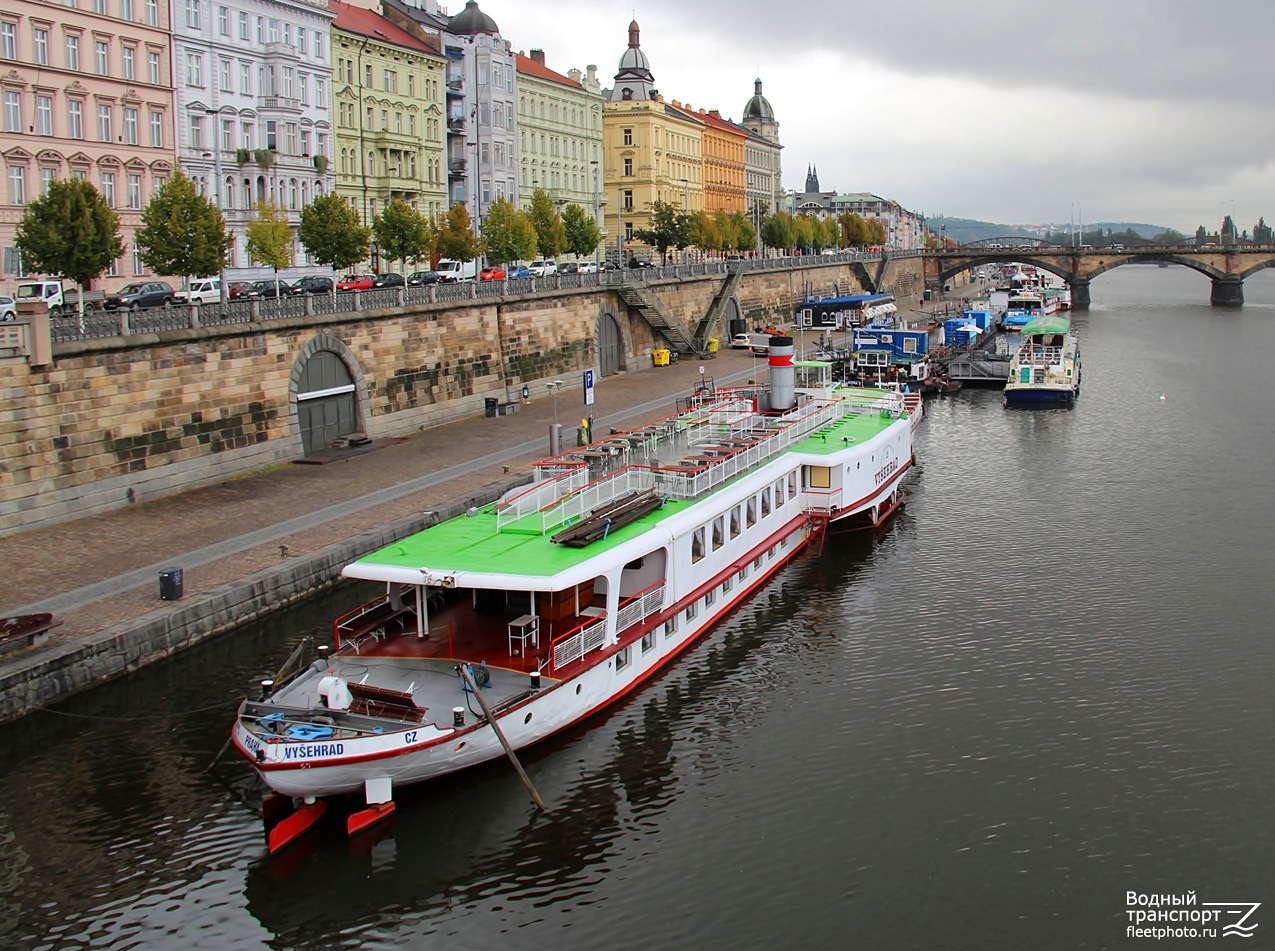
[
  {"x": 769, "y": 499},
  {"x": 624, "y": 657}
]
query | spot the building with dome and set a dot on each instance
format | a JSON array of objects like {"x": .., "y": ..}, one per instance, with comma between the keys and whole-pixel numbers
[
  {"x": 652, "y": 151},
  {"x": 763, "y": 166}
]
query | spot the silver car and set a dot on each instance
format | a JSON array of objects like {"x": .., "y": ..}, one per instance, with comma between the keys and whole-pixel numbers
[{"x": 8, "y": 309}]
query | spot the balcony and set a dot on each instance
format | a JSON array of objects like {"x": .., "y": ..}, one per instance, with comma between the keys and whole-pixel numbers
[
  {"x": 456, "y": 124},
  {"x": 455, "y": 83},
  {"x": 456, "y": 166},
  {"x": 280, "y": 102}
]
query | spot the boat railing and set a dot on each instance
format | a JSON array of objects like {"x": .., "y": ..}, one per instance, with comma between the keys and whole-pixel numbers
[
  {"x": 541, "y": 494},
  {"x": 591, "y": 634}
]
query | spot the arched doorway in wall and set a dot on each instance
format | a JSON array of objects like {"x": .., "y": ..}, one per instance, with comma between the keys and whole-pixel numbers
[
  {"x": 610, "y": 343},
  {"x": 732, "y": 320},
  {"x": 327, "y": 404}
]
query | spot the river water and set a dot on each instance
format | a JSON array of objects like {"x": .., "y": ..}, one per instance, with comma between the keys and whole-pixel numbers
[{"x": 1043, "y": 686}]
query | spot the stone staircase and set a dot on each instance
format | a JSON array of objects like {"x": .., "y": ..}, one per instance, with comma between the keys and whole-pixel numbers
[{"x": 639, "y": 299}]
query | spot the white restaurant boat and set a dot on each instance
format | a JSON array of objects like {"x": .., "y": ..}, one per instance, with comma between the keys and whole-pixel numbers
[
  {"x": 569, "y": 593},
  {"x": 1046, "y": 368}
]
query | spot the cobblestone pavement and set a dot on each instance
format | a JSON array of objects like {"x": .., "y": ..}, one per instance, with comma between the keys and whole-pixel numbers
[{"x": 103, "y": 569}]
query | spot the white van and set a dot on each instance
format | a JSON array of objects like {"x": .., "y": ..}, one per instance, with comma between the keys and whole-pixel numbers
[
  {"x": 199, "y": 290},
  {"x": 449, "y": 271},
  {"x": 542, "y": 268}
]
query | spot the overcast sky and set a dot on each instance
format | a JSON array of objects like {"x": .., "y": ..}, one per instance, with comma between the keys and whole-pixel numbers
[{"x": 1012, "y": 111}]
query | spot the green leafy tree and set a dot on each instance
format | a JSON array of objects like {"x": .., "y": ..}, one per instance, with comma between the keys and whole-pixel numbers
[
  {"x": 670, "y": 228},
  {"x": 69, "y": 232},
  {"x": 779, "y": 231},
  {"x": 508, "y": 233},
  {"x": 745, "y": 233},
  {"x": 332, "y": 231},
  {"x": 270, "y": 239},
  {"x": 401, "y": 232},
  {"x": 702, "y": 231},
  {"x": 727, "y": 226},
  {"x": 583, "y": 234},
  {"x": 831, "y": 233},
  {"x": 876, "y": 232},
  {"x": 456, "y": 238},
  {"x": 854, "y": 231},
  {"x": 183, "y": 233},
  {"x": 804, "y": 231},
  {"x": 551, "y": 234}
]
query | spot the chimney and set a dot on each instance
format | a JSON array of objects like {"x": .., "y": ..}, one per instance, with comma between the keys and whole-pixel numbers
[
  {"x": 538, "y": 56},
  {"x": 783, "y": 374},
  {"x": 715, "y": 113}
]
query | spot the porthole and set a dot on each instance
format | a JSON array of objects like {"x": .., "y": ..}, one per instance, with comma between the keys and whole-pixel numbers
[
  {"x": 577, "y": 690},
  {"x": 460, "y": 746},
  {"x": 527, "y": 718}
]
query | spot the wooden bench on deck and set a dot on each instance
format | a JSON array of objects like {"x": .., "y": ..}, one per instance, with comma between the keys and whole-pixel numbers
[{"x": 374, "y": 701}]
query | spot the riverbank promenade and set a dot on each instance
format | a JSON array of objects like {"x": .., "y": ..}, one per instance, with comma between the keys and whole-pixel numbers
[{"x": 100, "y": 574}]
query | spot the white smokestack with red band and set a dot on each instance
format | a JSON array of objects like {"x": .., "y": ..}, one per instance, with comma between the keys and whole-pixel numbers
[{"x": 783, "y": 374}]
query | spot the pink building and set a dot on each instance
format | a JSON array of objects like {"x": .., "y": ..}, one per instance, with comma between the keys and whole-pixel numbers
[{"x": 85, "y": 91}]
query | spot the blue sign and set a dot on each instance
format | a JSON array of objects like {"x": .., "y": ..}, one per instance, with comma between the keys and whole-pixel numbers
[{"x": 588, "y": 387}]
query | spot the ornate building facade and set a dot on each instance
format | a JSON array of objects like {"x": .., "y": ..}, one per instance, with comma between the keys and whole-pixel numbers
[
  {"x": 388, "y": 88},
  {"x": 559, "y": 133},
  {"x": 763, "y": 161},
  {"x": 86, "y": 92}
]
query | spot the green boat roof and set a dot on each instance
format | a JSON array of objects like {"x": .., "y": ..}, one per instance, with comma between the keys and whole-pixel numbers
[{"x": 1047, "y": 324}]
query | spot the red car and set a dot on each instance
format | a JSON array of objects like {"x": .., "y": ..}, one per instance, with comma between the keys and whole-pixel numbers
[
  {"x": 492, "y": 272},
  {"x": 356, "y": 282}
]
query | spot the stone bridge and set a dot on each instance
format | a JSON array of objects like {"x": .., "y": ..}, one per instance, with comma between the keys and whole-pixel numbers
[{"x": 1225, "y": 266}]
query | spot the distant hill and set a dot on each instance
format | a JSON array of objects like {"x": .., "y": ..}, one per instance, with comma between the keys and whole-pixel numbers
[{"x": 965, "y": 230}]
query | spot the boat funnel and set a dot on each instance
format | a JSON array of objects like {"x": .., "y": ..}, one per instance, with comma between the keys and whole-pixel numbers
[{"x": 783, "y": 375}]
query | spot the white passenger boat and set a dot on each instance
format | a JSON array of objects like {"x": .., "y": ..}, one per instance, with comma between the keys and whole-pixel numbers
[{"x": 518, "y": 619}]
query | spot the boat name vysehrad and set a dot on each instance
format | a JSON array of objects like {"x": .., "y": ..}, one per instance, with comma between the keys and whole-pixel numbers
[
  {"x": 315, "y": 751},
  {"x": 886, "y": 471}
]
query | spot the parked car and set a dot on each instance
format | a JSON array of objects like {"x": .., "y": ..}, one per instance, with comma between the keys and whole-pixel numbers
[
  {"x": 492, "y": 272},
  {"x": 389, "y": 279},
  {"x": 241, "y": 290},
  {"x": 570, "y": 267},
  {"x": 268, "y": 289},
  {"x": 311, "y": 284},
  {"x": 139, "y": 296},
  {"x": 450, "y": 271},
  {"x": 8, "y": 308},
  {"x": 517, "y": 273},
  {"x": 588, "y": 267},
  {"x": 421, "y": 278},
  {"x": 355, "y": 282},
  {"x": 200, "y": 290},
  {"x": 542, "y": 268},
  {"x": 741, "y": 341}
]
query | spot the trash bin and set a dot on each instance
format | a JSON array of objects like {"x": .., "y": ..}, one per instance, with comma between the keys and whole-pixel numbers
[
  {"x": 660, "y": 357},
  {"x": 491, "y": 406},
  {"x": 713, "y": 344},
  {"x": 929, "y": 294},
  {"x": 672, "y": 357},
  {"x": 170, "y": 584}
]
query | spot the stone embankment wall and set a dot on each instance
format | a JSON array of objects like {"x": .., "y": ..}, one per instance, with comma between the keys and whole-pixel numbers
[{"x": 117, "y": 420}]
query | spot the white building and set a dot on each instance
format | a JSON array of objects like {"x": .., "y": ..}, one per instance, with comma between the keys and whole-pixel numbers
[{"x": 253, "y": 106}]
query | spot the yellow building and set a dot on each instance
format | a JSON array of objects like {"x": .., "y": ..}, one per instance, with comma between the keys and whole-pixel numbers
[
  {"x": 725, "y": 184},
  {"x": 651, "y": 150},
  {"x": 388, "y": 97}
]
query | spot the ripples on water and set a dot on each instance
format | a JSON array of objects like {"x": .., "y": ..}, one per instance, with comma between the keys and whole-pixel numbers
[{"x": 1045, "y": 684}]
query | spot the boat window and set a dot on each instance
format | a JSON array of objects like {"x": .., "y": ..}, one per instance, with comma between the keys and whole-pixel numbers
[
  {"x": 622, "y": 659},
  {"x": 750, "y": 512},
  {"x": 697, "y": 544},
  {"x": 765, "y": 501},
  {"x": 743, "y": 574},
  {"x": 779, "y": 493},
  {"x": 670, "y": 626},
  {"x": 820, "y": 477},
  {"x": 709, "y": 598},
  {"x": 734, "y": 522},
  {"x": 792, "y": 484},
  {"x": 692, "y": 609},
  {"x": 719, "y": 535},
  {"x": 648, "y": 641},
  {"x": 727, "y": 584}
]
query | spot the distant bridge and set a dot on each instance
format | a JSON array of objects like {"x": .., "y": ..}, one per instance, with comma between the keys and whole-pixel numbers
[{"x": 1225, "y": 266}]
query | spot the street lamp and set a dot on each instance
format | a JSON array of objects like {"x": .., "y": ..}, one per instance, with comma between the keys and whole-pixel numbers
[
  {"x": 597, "y": 219},
  {"x": 555, "y": 434},
  {"x": 222, "y": 290}
]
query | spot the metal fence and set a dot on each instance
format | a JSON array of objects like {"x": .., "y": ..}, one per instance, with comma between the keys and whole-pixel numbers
[{"x": 122, "y": 323}]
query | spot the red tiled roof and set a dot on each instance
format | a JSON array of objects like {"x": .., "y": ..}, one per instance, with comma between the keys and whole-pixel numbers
[
  {"x": 364, "y": 22},
  {"x": 529, "y": 66},
  {"x": 720, "y": 123}
]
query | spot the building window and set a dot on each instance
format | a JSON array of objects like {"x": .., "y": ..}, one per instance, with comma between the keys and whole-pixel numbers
[
  {"x": 196, "y": 132},
  {"x": 72, "y": 52},
  {"x": 628, "y": 200},
  {"x": 227, "y": 135},
  {"x": 628, "y": 136},
  {"x": 192, "y": 14},
  {"x": 40, "y": 46},
  {"x": 126, "y": 9},
  {"x": 130, "y": 126},
  {"x": 8, "y": 40},
  {"x": 138, "y": 267},
  {"x": 152, "y": 67},
  {"x": 301, "y": 41},
  {"x": 135, "y": 191},
  {"x": 46, "y": 179},
  {"x": 628, "y": 168},
  {"x": 108, "y": 188},
  {"x": 223, "y": 21},
  {"x": 157, "y": 128},
  {"x": 75, "y": 119},
  {"x": 114, "y": 269},
  {"x": 12, "y": 112},
  {"x": 128, "y": 55},
  {"x": 243, "y": 26},
  {"x": 17, "y": 185},
  {"x": 152, "y": 13},
  {"x": 104, "y": 123},
  {"x": 102, "y": 58},
  {"x": 245, "y": 79},
  {"x": 290, "y": 134},
  {"x": 194, "y": 69}
]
